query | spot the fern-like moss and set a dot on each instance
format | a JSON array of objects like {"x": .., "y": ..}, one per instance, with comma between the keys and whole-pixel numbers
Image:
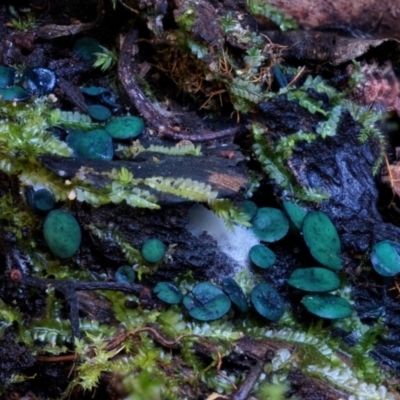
[
  {"x": 259, "y": 7},
  {"x": 246, "y": 90},
  {"x": 180, "y": 149},
  {"x": 186, "y": 188},
  {"x": 73, "y": 120},
  {"x": 231, "y": 215},
  {"x": 133, "y": 255},
  {"x": 273, "y": 160}
]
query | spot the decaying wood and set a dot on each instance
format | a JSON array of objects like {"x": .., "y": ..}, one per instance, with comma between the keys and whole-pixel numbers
[
  {"x": 73, "y": 93},
  {"x": 224, "y": 175},
  {"x": 53, "y": 31},
  {"x": 333, "y": 47},
  {"x": 363, "y": 15}
]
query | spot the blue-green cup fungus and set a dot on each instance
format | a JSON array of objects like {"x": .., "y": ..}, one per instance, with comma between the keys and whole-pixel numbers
[
  {"x": 249, "y": 208},
  {"x": 62, "y": 233},
  {"x": 270, "y": 224},
  {"x": 267, "y": 302},
  {"x": 95, "y": 145},
  {"x": 39, "y": 81},
  {"x": 7, "y": 77},
  {"x": 153, "y": 250},
  {"x": 86, "y": 47},
  {"x": 29, "y": 193},
  {"x": 128, "y": 127},
  {"x": 385, "y": 258},
  {"x": 295, "y": 213},
  {"x": 236, "y": 294},
  {"x": 168, "y": 293},
  {"x": 14, "y": 93},
  {"x": 326, "y": 305},
  {"x": 125, "y": 274},
  {"x": 94, "y": 91},
  {"x": 261, "y": 256},
  {"x": 207, "y": 302},
  {"x": 314, "y": 279},
  {"x": 280, "y": 78},
  {"x": 43, "y": 200},
  {"x": 99, "y": 112},
  {"x": 322, "y": 240}
]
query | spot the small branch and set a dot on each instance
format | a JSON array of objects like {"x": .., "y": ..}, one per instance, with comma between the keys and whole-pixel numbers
[
  {"x": 157, "y": 336},
  {"x": 69, "y": 288},
  {"x": 69, "y": 357},
  {"x": 244, "y": 391},
  {"x": 145, "y": 107}
]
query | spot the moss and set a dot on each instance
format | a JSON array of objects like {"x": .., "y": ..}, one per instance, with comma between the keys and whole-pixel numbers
[
  {"x": 24, "y": 136},
  {"x": 259, "y": 7}
]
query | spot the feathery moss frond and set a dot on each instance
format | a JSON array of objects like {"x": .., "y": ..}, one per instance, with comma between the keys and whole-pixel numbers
[
  {"x": 231, "y": 215},
  {"x": 186, "y": 188}
]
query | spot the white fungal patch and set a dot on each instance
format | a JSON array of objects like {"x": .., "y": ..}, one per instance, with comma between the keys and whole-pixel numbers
[{"x": 236, "y": 244}]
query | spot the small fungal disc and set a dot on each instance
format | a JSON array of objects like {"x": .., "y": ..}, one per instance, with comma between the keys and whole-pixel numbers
[
  {"x": 385, "y": 258},
  {"x": 125, "y": 274},
  {"x": 327, "y": 305},
  {"x": 250, "y": 208},
  {"x": 322, "y": 239},
  {"x": 208, "y": 303},
  {"x": 279, "y": 77},
  {"x": 95, "y": 145},
  {"x": 236, "y": 294},
  {"x": 14, "y": 93},
  {"x": 295, "y": 213},
  {"x": 168, "y": 293},
  {"x": 153, "y": 250},
  {"x": 267, "y": 301},
  {"x": 86, "y": 47},
  {"x": 99, "y": 112},
  {"x": 270, "y": 224},
  {"x": 94, "y": 90},
  {"x": 128, "y": 127},
  {"x": 29, "y": 196},
  {"x": 261, "y": 256},
  {"x": 39, "y": 81},
  {"x": 314, "y": 279},
  {"x": 7, "y": 77},
  {"x": 43, "y": 200},
  {"x": 62, "y": 233}
]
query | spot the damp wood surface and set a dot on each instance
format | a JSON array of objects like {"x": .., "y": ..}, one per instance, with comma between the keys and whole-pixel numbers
[{"x": 223, "y": 174}]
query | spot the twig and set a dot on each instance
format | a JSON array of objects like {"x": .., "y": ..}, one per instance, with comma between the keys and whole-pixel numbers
[
  {"x": 128, "y": 8},
  {"x": 244, "y": 391},
  {"x": 219, "y": 364},
  {"x": 67, "y": 357},
  {"x": 66, "y": 287},
  {"x": 146, "y": 108},
  {"x": 295, "y": 79},
  {"x": 154, "y": 333}
]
